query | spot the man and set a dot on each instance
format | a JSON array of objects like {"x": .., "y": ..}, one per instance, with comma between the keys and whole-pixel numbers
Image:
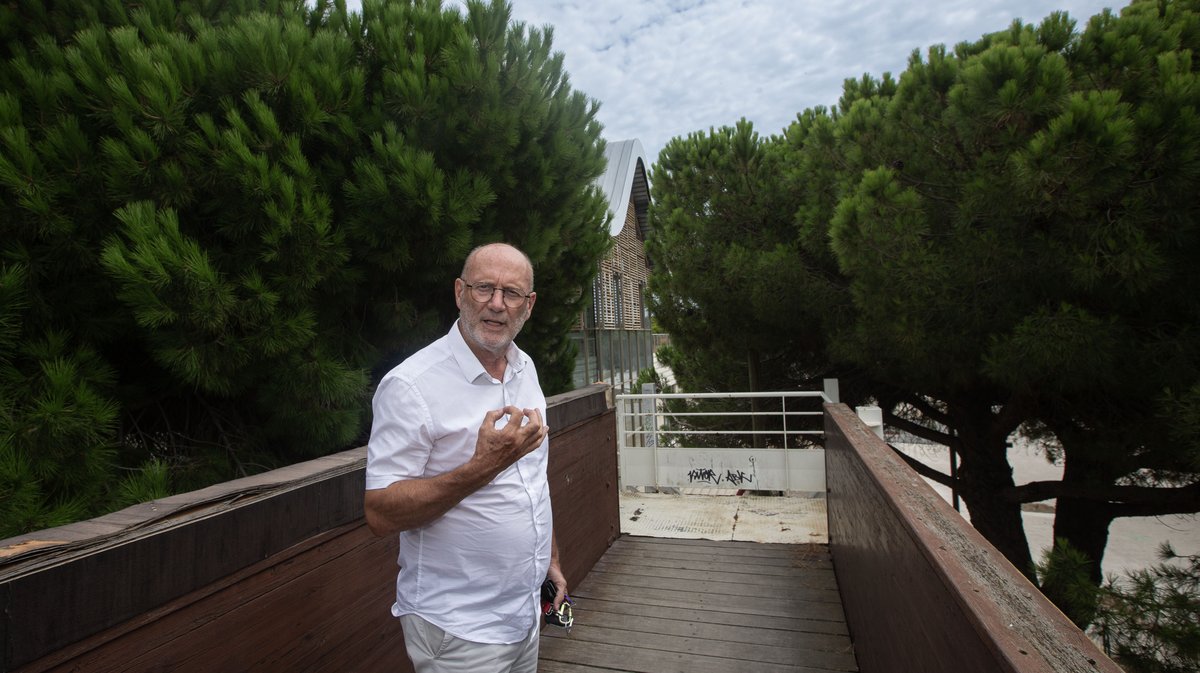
[{"x": 457, "y": 465}]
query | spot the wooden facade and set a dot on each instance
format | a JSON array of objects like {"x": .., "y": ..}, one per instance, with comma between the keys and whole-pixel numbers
[
  {"x": 618, "y": 293},
  {"x": 613, "y": 334},
  {"x": 620, "y": 286}
]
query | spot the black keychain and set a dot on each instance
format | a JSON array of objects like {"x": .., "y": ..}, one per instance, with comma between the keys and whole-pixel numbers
[{"x": 561, "y": 617}]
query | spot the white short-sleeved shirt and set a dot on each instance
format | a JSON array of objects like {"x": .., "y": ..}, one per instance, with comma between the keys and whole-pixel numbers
[{"x": 476, "y": 570}]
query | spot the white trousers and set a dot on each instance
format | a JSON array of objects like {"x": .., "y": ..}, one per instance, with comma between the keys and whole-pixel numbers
[{"x": 432, "y": 650}]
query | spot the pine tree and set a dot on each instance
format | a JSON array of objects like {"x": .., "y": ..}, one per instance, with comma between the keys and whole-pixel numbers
[
  {"x": 1030, "y": 257},
  {"x": 1147, "y": 621},
  {"x": 1002, "y": 240},
  {"x": 223, "y": 219}
]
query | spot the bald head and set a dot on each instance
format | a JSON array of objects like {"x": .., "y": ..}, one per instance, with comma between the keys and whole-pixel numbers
[
  {"x": 495, "y": 297},
  {"x": 498, "y": 251}
]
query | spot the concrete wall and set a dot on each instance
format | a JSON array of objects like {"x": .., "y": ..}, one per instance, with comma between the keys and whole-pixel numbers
[
  {"x": 923, "y": 591},
  {"x": 272, "y": 572}
]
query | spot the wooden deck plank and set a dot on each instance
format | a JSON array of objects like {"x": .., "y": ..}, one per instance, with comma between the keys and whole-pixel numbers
[
  {"x": 787, "y": 624},
  {"x": 697, "y": 600},
  {"x": 756, "y": 636},
  {"x": 682, "y": 553},
  {"x": 800, "y": 556},
  {"x": 660, "y": 605},
  {"x": 782, "y": 578},
  {"x": 723, "y": 592},
  {"x": 743, "y": 580},
  {"x": 714, "y": 647},
  {"x": 615, "y": 657}
]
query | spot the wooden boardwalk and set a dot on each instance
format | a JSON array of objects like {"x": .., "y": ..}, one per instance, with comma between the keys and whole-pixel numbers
[{"x": 655, "y": 605}]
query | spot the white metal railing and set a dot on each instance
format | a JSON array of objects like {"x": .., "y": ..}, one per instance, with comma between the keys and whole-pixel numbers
[{"x": 678, "y": 444}]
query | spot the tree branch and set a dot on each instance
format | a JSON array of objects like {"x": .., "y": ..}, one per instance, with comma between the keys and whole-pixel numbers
[
  {"x": 916, "y": 429},
  {"x": 928, "y": 410},
  {"x": 924, "y": 470},
  {"x": 1153, "y": 510},
  {"x": 1137, "y": 500}
]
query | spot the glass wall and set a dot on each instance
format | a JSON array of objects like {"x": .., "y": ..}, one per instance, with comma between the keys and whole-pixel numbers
[{"x": 612, "y": 355}]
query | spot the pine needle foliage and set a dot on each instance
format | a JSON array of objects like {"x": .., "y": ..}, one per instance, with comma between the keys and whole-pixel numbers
[
  {"x": 1149, "y": 620},
  {"x": 223, "y": 219},
  {"x": 1001, "y": 238}
]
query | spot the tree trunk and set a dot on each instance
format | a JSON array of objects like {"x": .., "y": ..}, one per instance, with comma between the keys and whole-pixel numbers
[
  {"x": 1084, "y": 525},
  {"x": 984, "y": 474}
]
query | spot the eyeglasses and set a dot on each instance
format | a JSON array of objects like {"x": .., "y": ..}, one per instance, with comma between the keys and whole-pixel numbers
[{"x": 483, "y": 293}]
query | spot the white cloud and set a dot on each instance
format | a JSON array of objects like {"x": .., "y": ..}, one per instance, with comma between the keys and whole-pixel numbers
[{"x": 667, "y": 69}]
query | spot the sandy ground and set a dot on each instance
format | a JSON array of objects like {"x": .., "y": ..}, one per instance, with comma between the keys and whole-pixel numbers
[{"x": 1133, "y": 542}]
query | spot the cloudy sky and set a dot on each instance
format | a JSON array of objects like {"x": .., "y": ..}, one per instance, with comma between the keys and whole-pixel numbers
[{"x": 667, "y": 68}]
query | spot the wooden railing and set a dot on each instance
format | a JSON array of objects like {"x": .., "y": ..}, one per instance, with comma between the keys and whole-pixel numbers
[
  {"x": 923, "y": 591},
  {"x": 269, "y": 573},
  {"x": 278, "y": 572}
]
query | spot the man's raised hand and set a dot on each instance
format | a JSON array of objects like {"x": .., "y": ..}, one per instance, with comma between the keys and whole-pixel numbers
[{"x": 502, "y": 445}]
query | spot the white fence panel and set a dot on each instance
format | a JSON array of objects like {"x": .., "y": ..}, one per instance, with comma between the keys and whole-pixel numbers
[
  {"x": 651, "y": 441},
  {"x": 751, "y": 469}
]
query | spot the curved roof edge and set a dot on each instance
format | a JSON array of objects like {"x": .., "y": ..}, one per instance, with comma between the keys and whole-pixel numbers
[{"x": 625, "y": 179}]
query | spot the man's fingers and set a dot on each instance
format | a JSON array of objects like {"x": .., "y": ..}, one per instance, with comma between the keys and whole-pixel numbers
[
  {"x": 516, "y": 417},
  {"x": 527, "y": 422},
  {"x": 490, "y": 418},
  {"x": 535, "y": 416},
  {"x": 522, "y": 432},
  {"x": 541, "y": 430},
  {"x": 535, "y": 419}
]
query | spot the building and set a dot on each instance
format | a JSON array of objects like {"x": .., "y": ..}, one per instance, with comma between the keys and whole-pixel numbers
[{"x": 614, "y": 335}]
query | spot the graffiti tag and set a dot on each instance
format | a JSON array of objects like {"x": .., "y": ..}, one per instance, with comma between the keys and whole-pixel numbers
[{"x": 710, "y": 476}]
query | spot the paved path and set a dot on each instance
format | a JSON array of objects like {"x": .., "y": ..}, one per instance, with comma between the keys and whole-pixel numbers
[{"x": 751, "y": 518}]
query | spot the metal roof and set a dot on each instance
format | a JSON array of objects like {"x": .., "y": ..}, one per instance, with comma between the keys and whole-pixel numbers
[{"x": 623, "y": 180}]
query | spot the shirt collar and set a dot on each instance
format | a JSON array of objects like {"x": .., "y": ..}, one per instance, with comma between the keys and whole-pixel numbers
[{"x": 470, "y": 366}]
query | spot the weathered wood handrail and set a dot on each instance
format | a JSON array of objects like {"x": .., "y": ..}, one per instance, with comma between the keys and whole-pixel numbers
[
  {"x": 278, "y": 572},
  {"x": 923, "y": 591},
  {"x": 271, "y": 572}
]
